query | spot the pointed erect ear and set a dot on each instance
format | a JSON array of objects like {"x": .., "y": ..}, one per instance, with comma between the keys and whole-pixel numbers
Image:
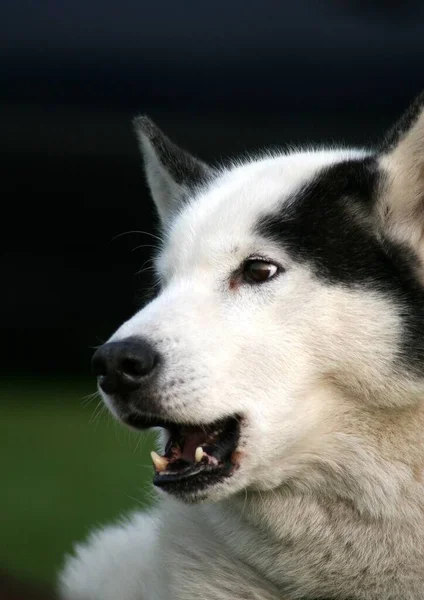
[
  {"x": 401, "y": 198},
  {"x": 172, "y": 173}
]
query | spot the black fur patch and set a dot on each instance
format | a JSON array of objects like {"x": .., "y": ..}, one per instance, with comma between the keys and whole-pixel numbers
[
  {"x": 329, "y": 225},
  {"x": 319, "y": 225}
]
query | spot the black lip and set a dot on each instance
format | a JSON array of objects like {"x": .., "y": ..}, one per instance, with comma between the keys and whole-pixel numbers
[
  {"x": 192, "y": 480},
  {"x": 189, "y": 472}
]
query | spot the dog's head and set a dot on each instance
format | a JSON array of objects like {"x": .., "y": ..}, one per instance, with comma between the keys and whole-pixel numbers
[{"x": 290, "y": 298}]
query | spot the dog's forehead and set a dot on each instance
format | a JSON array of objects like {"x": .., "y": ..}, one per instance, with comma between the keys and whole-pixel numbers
[{"x": 225, "y": 215}]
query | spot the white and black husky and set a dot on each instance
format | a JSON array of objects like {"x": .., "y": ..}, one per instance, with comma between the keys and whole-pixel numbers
[{"x": 283, "y": 360}]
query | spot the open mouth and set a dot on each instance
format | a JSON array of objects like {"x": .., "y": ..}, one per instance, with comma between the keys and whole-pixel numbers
[{"x": 196, "y": 456}]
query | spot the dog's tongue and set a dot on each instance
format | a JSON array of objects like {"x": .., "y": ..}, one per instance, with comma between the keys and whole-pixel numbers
[{"x": 192, "y": 440}]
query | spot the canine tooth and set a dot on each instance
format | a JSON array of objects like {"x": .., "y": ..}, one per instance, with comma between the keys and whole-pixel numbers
[
  {"x": 160, "y": 462},
  {"x": 198, "y": 455}
]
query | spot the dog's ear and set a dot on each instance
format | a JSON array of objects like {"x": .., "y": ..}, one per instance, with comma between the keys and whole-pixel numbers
[
  {"x": 172, "y": 173},
  {"x": 401, "y": 197}
]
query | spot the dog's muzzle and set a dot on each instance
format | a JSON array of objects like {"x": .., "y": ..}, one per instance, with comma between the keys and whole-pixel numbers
[
  {"x": 197, "y": 455},
  {"x": 123, "y": 366}
]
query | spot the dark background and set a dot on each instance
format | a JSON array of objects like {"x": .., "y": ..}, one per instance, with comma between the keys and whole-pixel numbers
[{"x": 219, "y": 77}]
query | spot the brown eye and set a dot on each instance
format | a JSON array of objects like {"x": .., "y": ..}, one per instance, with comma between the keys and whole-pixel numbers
[{"x": 259, "y": 271}]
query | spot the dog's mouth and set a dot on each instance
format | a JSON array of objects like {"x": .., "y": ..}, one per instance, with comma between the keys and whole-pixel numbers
[{"x": 196, "y": 456}]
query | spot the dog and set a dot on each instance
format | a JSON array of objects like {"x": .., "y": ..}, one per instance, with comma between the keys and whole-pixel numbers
[{"x": 282, "y": 361}]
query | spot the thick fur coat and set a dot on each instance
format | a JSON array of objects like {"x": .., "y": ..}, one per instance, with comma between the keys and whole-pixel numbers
[{"x": 290, "y": 308}]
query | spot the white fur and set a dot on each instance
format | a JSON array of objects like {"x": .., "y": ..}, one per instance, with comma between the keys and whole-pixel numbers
[{"x": 328, "y": 499}]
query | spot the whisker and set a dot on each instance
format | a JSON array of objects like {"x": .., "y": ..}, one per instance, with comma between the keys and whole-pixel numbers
[
  {"x": 85, "y": 400},
  {"x": 157, "y": 237},
  {"x": 147, "y": 265},
  {"x": 98, "y": 411},
  {"x": 145, "y": 270},
  {"x": 139, "y": 443},
  {"x": 145, "y": 246}
]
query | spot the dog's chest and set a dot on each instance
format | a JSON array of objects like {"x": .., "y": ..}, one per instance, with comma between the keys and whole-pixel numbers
[{"x": 311, "y": 551}]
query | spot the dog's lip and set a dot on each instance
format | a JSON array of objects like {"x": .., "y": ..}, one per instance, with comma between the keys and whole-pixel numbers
[{"x": 191, "y": 472}]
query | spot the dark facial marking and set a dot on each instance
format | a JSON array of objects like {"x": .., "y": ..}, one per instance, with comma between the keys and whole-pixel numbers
[
  {"x": 324, "y": 224},
  {"x": 329, "y": 225}
]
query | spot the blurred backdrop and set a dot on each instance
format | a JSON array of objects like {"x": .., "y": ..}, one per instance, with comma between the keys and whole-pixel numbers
[{"x": 220, "y": 78}]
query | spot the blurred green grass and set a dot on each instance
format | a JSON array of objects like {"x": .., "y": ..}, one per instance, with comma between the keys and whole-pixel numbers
[{"x": 66, "y": 467}]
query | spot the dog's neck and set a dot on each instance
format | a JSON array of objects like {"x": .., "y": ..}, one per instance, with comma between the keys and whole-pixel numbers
[{"x": 343, "y": 517}]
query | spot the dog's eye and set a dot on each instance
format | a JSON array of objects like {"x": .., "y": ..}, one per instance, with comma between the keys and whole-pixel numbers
[{"x": 259, "y": 271}]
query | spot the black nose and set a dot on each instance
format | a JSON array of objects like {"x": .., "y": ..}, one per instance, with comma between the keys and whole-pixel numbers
[{"x": 122, "y": 366}]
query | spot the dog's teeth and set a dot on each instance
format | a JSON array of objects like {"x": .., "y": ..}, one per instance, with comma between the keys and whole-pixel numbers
[
  {"x": 160, "y": 462},
  {"x": 198, "y": 455}
]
